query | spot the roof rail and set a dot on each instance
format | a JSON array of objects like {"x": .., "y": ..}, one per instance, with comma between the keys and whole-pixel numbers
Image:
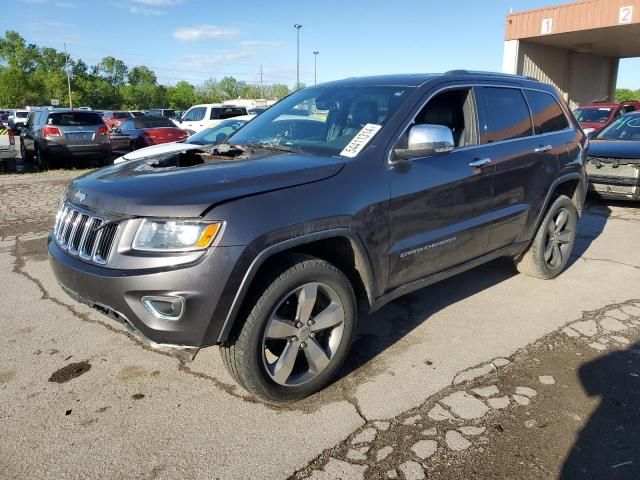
[{"x": 489, "y": 74}]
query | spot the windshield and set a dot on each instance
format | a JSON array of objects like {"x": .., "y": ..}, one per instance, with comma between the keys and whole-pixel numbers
[
  {"x": 67, "y": 119},
  {"x": 598, "y": 115},
  {"x": 626, "y": 127},
  {"x": 22, "y": 114},
  {"x": 321, "y": 120},
  {"x": 217, "y": 134}
]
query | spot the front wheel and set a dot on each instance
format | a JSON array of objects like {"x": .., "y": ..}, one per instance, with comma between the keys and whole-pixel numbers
[
  {"x": 552, "y": 245},
  {"x": 296, "y": 335}
]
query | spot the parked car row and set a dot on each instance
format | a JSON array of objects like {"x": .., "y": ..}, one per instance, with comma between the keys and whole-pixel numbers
[{"x": 209, "y": 136}]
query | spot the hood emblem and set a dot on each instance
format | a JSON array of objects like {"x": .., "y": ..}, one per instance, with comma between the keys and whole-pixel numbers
[{"x": 80, "y": 196}]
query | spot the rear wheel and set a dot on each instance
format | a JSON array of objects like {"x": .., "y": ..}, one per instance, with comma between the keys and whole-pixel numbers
[
  {"x": 10, "y": 165},
  {"x": 552, "y": 245},
  {"x": 42, "y": 159},
  {"x": 26, "y": 156},
  {"x": 296, "y": 335}
]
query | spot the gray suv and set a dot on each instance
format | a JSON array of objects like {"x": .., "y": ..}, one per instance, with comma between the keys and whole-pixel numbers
[
  {"x": 53, "y": 136},
  {"x": 272, "y": 243}
]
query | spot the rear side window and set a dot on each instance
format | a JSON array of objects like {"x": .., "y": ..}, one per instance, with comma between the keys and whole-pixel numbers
[
  {"x": 548, "y": 116},
  {"x": 506, "y": 116},
  {"x": 195, "y": 114},
  {"x": 221, "y": 113},
  {"x": 65, "y": 119}
]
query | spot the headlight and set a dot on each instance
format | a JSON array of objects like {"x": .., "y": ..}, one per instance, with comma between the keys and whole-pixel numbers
[{"x": 175, "y": 235}]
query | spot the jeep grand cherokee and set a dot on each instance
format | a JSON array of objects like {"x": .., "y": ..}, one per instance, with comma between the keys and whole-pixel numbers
[{"x": 271, "y": 244}]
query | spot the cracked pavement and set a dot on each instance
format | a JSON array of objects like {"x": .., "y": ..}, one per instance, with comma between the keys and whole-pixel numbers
[{"x": 428, "y": 379}]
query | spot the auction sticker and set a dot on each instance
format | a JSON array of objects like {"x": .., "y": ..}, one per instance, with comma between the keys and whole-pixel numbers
[{"x": 361, "y": 140}]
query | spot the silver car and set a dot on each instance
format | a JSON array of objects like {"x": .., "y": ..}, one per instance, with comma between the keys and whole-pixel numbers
[{"x": 53, "y": 136}]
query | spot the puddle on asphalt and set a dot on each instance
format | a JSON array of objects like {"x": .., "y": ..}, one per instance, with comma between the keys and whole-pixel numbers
[{"x": 71, "y": 371}]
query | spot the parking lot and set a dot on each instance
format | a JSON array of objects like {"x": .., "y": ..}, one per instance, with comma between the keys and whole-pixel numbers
[{"x": 80, "y": 397}]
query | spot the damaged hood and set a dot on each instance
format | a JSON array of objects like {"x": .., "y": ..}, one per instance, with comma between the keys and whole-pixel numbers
[
  {"x": 163, "y": 186},
  {"x": 161, "y": 149},
  {"x": 628, "y": 149}
]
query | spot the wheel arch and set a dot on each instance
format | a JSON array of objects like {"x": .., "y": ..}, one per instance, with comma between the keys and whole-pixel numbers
[
  {"x": 573, "y": 185},
  {"x": 341, "y": 247}
]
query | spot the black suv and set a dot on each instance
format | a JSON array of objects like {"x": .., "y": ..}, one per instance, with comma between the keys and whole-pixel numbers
[{"x": 271, "y": 243}]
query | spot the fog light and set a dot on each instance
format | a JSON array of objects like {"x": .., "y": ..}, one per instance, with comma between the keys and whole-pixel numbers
[{"x": 164, "y": 307}]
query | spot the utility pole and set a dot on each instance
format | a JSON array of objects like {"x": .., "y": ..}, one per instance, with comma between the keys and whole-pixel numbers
[
  {"x": 315, "y": 67},
  {"x": 297, "y": 26},
  {"x": 68, "y": 75},
  {"x": 261, "y": 87}
]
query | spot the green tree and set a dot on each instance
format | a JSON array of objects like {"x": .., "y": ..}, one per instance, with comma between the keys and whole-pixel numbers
[
  {"x": 624, "y": 94},
  {"x": 141, "y": 75},
  {"x": 182, "y": 96},
  {"x": 114, "y": 71}
]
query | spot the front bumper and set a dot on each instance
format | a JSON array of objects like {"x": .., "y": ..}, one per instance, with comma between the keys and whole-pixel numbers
[
  {"x": 616, "y": 180},
  {"x": 119, "y": 293}
]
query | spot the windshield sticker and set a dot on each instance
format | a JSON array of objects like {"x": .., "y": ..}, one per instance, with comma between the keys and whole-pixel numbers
[
  {"x": 604, "y": 109},
  {"x": 357, "y": 144}
]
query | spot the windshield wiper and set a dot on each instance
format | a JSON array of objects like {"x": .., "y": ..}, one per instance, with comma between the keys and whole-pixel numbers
[{"x": 268, "y": 146}]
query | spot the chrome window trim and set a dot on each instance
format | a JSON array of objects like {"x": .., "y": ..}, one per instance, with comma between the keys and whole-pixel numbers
[{"x": 456, "y": 86}]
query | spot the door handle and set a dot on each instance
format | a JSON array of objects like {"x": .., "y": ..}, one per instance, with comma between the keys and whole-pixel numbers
[
  {"x": 542, "y": 148},
  {"x": 480, "y": 162}
]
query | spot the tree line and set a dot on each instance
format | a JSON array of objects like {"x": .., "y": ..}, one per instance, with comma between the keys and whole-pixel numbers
[
  {"x": 33, "y": 75},
  {"x": 625, "y": 95}
]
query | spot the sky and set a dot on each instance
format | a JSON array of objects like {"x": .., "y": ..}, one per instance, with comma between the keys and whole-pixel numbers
[{"x": 195, "y": 40}]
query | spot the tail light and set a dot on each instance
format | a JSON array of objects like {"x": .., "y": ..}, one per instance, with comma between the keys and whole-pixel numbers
[
  {"x": 12, "y": 138},
  {"x": 52, "y": 132},
  {"x": 103, "y": 130}
]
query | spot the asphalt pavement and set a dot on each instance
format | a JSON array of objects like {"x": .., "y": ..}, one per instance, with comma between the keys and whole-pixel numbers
[{"x": 81, "y": 398}]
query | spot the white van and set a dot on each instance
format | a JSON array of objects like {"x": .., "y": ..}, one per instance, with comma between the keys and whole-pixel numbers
[{"x": 206, "y": 115}]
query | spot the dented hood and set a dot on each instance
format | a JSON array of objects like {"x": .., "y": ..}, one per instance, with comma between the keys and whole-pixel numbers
[
  {"x": 161, "y": 187},
  {"x": 627, "y": 149}
]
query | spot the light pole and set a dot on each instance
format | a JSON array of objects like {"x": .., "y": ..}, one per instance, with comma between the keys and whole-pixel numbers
[
  {"x": 68, "y": 75},
  {"x": 297, "y": 26},
  {"x": 315, "y": 67}
]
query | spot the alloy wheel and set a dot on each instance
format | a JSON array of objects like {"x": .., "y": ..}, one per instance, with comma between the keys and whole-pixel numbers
[
  {"x": 558, "y": 241},
  {"x": 303, "y": 334}
]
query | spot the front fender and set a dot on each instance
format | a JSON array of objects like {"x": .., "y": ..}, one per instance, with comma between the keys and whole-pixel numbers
[{"x": 242, "y": 282}]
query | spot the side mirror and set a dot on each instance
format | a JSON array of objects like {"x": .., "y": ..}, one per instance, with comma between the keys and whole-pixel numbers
[{"x": 426, "y": 141}]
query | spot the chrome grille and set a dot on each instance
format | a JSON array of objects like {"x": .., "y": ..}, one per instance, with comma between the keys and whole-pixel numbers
[{"x": 79, "y": 233}]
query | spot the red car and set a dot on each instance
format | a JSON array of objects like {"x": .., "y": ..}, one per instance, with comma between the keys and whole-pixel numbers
[
  {"x": 142, "y": 132},
  {"x": 594, "y": 117},
  {"x": 114, "y": 118}
]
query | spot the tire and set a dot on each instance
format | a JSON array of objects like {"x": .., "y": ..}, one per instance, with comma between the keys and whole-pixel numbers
[
  {"x": 265, "y": 344},
  {"x": 26, "y": 156},
  {"x": 10, "y": 165},
  {"x": 42, "y": 160},
  {"x": 551, "y": 248}
]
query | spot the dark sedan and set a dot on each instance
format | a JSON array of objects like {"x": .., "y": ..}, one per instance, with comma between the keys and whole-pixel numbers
[
  {"x": 614, "y": 159},
  {"x": 146, "y": 131}
]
